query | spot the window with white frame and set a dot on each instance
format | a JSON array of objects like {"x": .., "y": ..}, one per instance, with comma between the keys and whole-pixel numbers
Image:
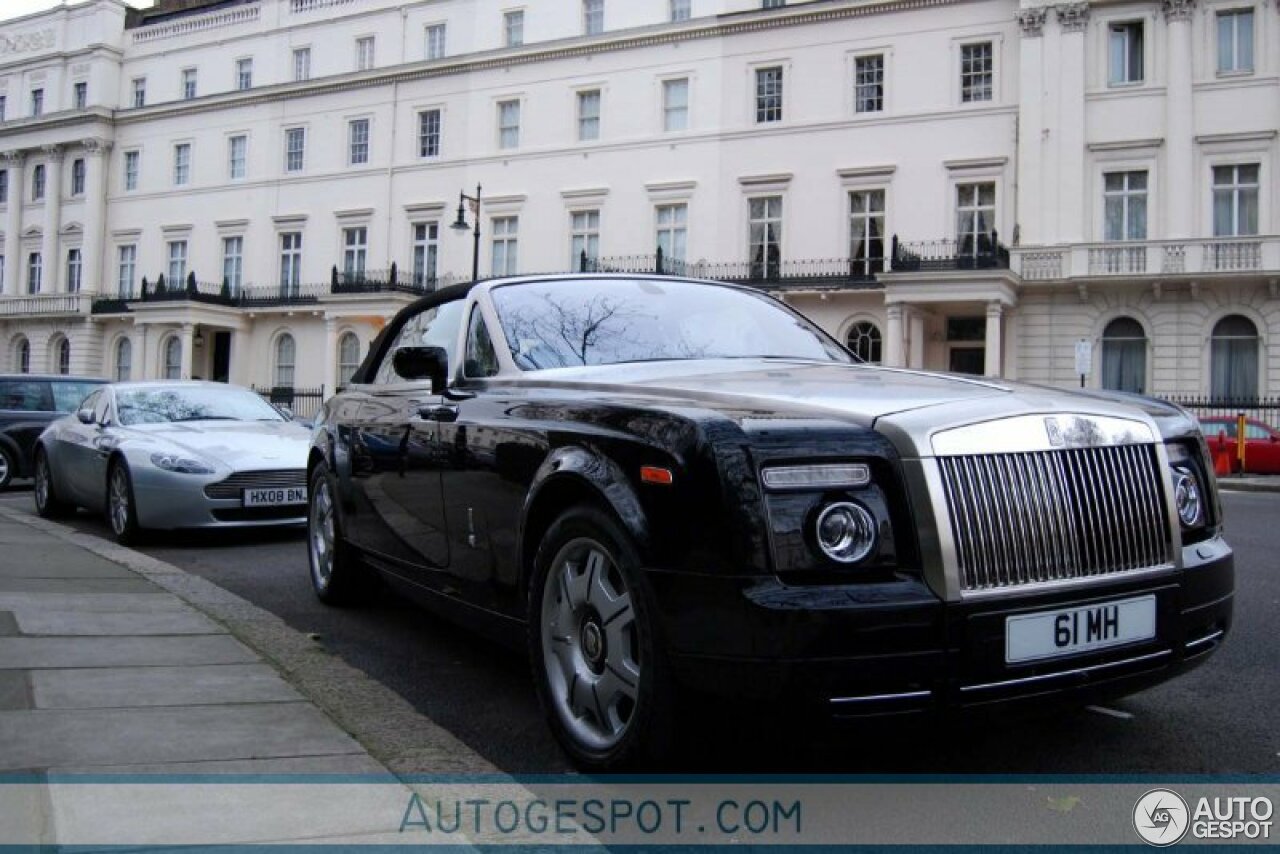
[
  {"x": 673, "y": 235},
  {"x": 4, "y": 106},
  {"x": 126, "y": 269},
  {"x": 675, "y": 104},
  {"x": 37, "y": 102},
  {"x": 124, "y": 361},
  {"x": 1125, "y": 48},
  {"x": 4, "y": 186},
  {"x": 764, "y": 236},
  {"x": 864, "y": 341},
  {"x": 1235, "y": 200},
  {"x": 182, "y": 164},
  {"x": 769, "y": 94},
  {"x": 355, "y": 251},
  {"x": 588, "y": 115},
  {"x": 37, "y": 183},
  {"x": 508, "y": 124},
  {"x": 505, "y": 236},
  {"x": 301, "y": 64},
  {"x": 348, "y": 356},
  {"x": 868, "y": 83},
  {"x": 429, "y": 133},
  {"x": 1124, "y": 202},
  {"x": 977, "y": 72},
  {"x": 513, "y": 28},
  {"x": 286, "y": 357},
  {"x": 295, "y": 149},
  {"x": 358, "y": 142},
  {"x": 35, "y": 272},
  {"x": 975, "y": 218},
  {"x": 584, "y": 239},
  {"x": 1124, "y": 356},
  {"x": 426, "y": 252},
  {"x": 177, "y": 262},
  {"x": 237, "y": 156},
  {"x": 1235, "y": 41},
  {"x": 866, "y": 232},
  {"x": 132, "y": 160},
  {"x": 290, "y": 262},
  {"x": 64, "y": 356},
  {"x": 244, "y": 74},
  {"x": 77, "y": 176},
  {"x": 435, "y": 41},
  {"x": 188, "y": 83},
  {"x": 681, "y": 10},
  {"x": 80, "y": 95},
  {"x": 172, "y": 366},
  {"x": 75, "y": 270},
  {"x": 364, "y": 53},
  {"x": 139, "y": 91},
  {"x": 233, "y": 263},
  {"x": 593, "y": 17}
]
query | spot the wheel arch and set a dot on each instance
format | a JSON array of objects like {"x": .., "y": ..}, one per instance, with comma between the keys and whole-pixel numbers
[{"x": 10, "y": 447}]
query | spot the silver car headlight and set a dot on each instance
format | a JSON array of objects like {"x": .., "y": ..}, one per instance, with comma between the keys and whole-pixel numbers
[{"x": 180, "y": 464}]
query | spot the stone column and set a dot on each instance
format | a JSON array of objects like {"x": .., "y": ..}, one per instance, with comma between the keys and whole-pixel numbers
[
  {"x": 1181, "y": 186},
  {"x": 915, "y": 358},
  {"x": 95, "y": 205},
  {"x": 142, "y": 367},
  {"x": 52, "y": 275},
  {"x": 1031, "y": 199},
  {"x": 16, "y": 163},
  {"x": 893, "y": 336},
  {"x": 1070, "y": 150},
  {"x": 188, "y": 349},
  {"x": 330, "y": 354},
  {"x": 993, "y": 344}
]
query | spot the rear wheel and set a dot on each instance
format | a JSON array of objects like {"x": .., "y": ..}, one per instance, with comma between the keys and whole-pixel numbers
[
  {"x": 598, "y": 664},
  {"x": 8, "y": 468},
  {"x": 48, "y": 504},
  {"x": 336, "y": 575},
  {"x": 122, "y": 508}
]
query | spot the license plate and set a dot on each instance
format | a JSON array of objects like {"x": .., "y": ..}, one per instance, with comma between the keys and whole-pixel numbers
[
  {"x": 1074, "y": 630},
  {"x": 271, "y": 497}
]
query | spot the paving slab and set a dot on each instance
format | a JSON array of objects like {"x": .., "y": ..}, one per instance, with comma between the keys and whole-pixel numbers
[
  {"x": 340, "y": 763},
  {"x": 60, "y": 564},
  {"x": 71, "y": 623},
  {"x": 91, "y": 602},
  {"x": 47, "y": 738},
  {"x": 15, "y": 690},
  {"x": 126, "y": 687},
  {"x": 135, "y": 585},
  {"x": 47, "y": 652},
  {"x": 8, "y": 624}
]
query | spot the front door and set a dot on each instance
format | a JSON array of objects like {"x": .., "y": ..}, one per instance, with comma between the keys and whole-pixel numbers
[
  {"x": 968, "y": 360},
  {"x": 221, "y": 372}
]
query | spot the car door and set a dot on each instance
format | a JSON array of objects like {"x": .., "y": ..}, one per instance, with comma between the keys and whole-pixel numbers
[
  {"x": 76, "y": 445},
  {"x": 1262, "y": 449},
  {"x": 396, "y": 458}
]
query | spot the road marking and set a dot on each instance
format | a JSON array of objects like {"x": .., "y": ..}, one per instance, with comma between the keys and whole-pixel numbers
[{"x": 1111, "y": 713}]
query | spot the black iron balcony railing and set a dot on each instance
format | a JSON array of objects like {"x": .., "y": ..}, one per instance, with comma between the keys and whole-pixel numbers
[
  {"x": 800, "y": 273},
  {"x": 976, "y": 252}
]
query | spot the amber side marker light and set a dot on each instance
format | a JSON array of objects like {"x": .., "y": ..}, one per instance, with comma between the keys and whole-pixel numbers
[{"x": 653, "y": 474}]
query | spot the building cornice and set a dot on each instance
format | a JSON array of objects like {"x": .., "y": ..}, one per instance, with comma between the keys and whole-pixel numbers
[
  {"x": 1073, "y": 17},
  {"x": 1242, "y": 137},
  {"x": 1126, "y": 144}
]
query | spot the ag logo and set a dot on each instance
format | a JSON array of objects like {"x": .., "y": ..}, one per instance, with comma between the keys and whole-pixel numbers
[{"x": 1160, "y": 817}]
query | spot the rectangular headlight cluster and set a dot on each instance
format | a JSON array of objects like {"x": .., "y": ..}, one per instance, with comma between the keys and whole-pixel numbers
[{"x": 824, "y": 476}]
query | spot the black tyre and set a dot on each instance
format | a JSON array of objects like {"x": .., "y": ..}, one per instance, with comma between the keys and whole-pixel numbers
[
  {"x": 48, "y": 504},
  {"x": 122, "y": 508},
  {"x": 337, "y": 576},
  {"x": 8, "y": 468},
  {"x": 599, "y": 664}
]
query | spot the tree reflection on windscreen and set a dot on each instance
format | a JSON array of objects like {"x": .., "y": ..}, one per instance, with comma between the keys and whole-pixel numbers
[
  {"x": 569, "y": 323},
  {"x": 165, "y": 405}
]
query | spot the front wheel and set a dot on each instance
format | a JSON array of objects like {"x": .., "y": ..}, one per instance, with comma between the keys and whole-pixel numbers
[
  {"x": 8, "y": 468},
  {"x": 122, "y": 508},
  {"x": 336, "y": 575},
  {"x": 598, "y": 664},
  {"x": 48, "y": 504}
]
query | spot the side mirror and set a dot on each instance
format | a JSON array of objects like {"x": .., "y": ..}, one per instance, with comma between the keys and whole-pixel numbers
[
  {"x": 85, "y": 416},
  {"x": 422, "y": 363}
]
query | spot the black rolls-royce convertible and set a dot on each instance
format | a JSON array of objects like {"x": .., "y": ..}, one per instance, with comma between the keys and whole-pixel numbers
[{"x": 660, "y": 485}]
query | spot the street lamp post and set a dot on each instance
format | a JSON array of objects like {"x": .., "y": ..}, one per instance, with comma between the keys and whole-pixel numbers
[{"x": 460, "y": 224}]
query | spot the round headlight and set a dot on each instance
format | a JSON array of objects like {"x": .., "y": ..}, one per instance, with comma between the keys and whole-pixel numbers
[
  {"x": 845, "y": 532},
  {"x": 1188, "y": 498}
]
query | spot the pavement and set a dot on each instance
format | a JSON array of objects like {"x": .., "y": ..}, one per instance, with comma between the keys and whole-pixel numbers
[
  {"x": 115, "y": 663},
  {"x": 1249, "y": 482}
]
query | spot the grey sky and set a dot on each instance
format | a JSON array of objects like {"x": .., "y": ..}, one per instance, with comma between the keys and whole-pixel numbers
[{"x": 18, "y": 8}]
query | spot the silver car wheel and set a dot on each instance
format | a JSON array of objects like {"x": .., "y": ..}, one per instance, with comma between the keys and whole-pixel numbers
[
  {"x": 5, "y": 471},
  {"x": 590, "y": 646},
  {"x": 321, "y": 535},
  {"x": 42, "y": 480},
  {"x": 118, "y": 501}
]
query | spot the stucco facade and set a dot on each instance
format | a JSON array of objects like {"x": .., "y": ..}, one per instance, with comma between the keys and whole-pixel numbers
[{"x": 1046, "y": 170}]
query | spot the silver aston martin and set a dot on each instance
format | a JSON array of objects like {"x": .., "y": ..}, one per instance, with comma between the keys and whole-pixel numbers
[{"x": 168, "y": 455}]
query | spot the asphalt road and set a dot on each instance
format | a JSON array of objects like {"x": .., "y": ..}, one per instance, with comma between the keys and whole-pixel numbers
[{"x": 1218, "y": 719}]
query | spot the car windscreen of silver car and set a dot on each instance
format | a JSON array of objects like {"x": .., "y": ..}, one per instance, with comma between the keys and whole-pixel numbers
[
  {"x": 166, "y": 405},
  {"x": 561, "y": 324}
]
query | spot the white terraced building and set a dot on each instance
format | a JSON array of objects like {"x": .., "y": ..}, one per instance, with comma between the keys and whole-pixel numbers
[{"x": 975, "y": 186}]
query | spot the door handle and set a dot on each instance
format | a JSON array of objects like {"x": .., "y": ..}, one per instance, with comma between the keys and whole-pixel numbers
[{"x": 438, "y": 412}]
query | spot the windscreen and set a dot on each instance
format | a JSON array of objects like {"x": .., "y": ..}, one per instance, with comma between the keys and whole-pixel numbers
[
  {"x": 167, "y": 404},
  {"x": 571, "y": 323}
]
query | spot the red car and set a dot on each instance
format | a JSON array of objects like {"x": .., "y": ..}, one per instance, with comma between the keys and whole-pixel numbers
[{"x": 1261, "y": 442}]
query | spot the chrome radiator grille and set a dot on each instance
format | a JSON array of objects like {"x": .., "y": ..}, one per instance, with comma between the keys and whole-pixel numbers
[
  {"x": 1043, "y": 516},
  {"x": 232, "y": 486}
]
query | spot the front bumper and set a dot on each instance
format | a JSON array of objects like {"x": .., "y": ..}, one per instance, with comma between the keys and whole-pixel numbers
[
  {"x": 170, "y": 501},
  {"x": 895, "y": 647}
]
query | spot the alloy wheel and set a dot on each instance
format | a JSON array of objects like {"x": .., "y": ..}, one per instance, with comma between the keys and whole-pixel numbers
[
  {"x": 5, "y": 470},
  {"x": 590, "y": 645},
  {"x": 42, "y": 481},
  {"x": 320, "y": 534},
  {"x": 118, "y": 501}
]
